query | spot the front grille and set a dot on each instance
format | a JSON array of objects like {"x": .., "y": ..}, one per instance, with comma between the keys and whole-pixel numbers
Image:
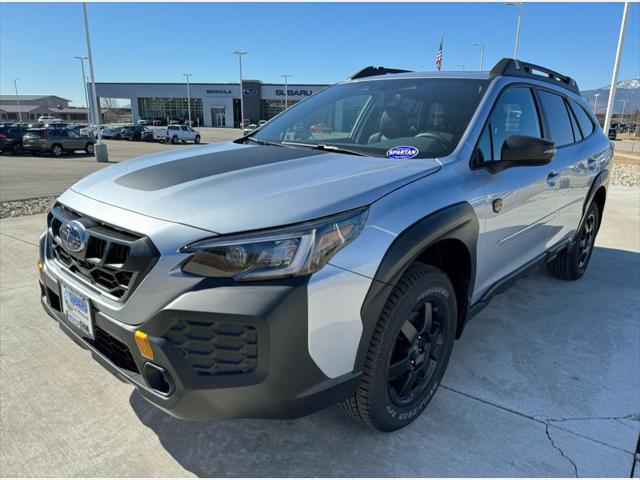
[
  {"x": 113, "y": 261},
  {"x": 213, "y": 348},
  {"x": 114, "y": 350}
]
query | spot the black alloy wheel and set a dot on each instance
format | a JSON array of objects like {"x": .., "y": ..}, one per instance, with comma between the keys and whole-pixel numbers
[{"x": 417, "y": 352}]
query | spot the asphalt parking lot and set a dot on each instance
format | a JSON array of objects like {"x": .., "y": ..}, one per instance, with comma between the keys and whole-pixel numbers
[
  {"x": 26, "y": 176},
  {"x": 545, "y": 382}
]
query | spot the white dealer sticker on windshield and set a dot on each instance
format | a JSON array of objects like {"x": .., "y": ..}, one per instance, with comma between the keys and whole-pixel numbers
[{"x": 402, "y": 152}]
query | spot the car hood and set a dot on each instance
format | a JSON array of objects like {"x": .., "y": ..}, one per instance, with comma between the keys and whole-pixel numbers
[{"x": 229, "y": 187}]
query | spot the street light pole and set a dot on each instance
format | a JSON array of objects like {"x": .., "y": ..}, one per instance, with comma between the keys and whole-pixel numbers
[
  {"x": 84, "y": 85},
  {"x": 520, "y": 13},
  {"x": 240, "y": 53},
  {"x": 100, "y": 148},
  {"x": 188, "y": 95},
  {"x": 15, "y": 85},
  {"x": 286, "y": 89},
  {"x": 481, "y": 45},
  {"x": 616, "y": 66}
]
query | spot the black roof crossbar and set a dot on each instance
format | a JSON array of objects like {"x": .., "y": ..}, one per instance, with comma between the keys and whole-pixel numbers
[
  {"x": 516, "y": 68},
  {"x": 372, "y": 71}
]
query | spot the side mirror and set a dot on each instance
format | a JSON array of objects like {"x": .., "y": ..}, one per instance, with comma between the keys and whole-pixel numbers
[{"x": 520, "y": 150}]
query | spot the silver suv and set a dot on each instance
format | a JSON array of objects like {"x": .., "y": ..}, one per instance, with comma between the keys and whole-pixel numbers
[{"x": 336, "y": 252}]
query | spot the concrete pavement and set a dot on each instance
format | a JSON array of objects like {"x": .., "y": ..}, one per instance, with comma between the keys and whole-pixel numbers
[
  {"x": 545, "y": 382},
  {"x": 26, "y": 176}
]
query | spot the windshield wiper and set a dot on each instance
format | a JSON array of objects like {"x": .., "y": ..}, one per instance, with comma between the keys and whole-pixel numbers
[
  {"x": 264, "y": 142},
  {"x": 328, "y": 148}
]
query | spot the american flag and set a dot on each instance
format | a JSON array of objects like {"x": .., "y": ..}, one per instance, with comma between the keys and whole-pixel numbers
[{"x": 439, "y": 55}]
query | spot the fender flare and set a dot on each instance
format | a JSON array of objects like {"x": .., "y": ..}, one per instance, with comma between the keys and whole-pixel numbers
[
  {"x": 458, "y": 221},
  {"x": 601, "y": 180}
]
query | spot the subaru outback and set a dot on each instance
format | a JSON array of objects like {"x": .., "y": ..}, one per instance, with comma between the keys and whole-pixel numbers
[{"x": 297, "y": 267}]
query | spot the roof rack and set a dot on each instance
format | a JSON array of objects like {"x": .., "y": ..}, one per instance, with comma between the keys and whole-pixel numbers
[
  {"x": 372, "y": 71},
  {"x": 516, "y": 68}
]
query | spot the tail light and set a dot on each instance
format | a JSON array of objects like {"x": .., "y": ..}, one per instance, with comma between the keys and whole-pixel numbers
[{"x": 3, "y": 135}]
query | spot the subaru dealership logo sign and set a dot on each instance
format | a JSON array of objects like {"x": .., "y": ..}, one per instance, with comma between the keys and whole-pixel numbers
[
  {"x": 399, "y": 153},
  {"x": 250, "y": 91},
  {"x": 294, "y": 93},
  {"x": 73, "y": 236}
]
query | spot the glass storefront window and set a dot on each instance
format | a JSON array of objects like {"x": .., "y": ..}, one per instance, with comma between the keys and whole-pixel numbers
[
  {"x": 170, "y": 109},
  {"x": 271, "y": 108}
]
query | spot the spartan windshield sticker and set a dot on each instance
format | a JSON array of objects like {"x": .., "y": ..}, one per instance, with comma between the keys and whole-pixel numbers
[{"x": 399, "y": 153}]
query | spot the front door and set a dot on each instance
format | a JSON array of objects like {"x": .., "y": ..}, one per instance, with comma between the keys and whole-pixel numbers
[
  {"x": 521, "y": 204},
  {"x": 219, "y": 117}
]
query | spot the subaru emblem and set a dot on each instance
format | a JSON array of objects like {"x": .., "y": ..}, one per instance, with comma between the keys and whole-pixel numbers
[{"x": 73, "y": 236}]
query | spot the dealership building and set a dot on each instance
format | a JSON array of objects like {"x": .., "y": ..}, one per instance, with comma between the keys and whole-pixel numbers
[{"x": 212, "y": 104}]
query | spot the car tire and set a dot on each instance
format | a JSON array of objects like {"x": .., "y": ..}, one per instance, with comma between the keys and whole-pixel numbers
[
  {"x": 89, "y": 148},
  {"x": 409, "y": 350},
  {"x": 57, "y": 149},
  {"x": 197, "y": 139},
  {"x": 174, "y": 139},
  {"x": 572, "y": 262},
  {"x": 118, "y": 137},
  {"x": 17, "y": 149}
]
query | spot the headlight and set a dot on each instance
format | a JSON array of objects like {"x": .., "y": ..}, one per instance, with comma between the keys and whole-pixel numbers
[{"x": 298, "y": 250}]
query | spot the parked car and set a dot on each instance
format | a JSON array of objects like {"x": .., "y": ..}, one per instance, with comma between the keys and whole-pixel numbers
[
  {"x": 45, "y": 119},
  {"x": 177, "y": 133},
  {"x": 132, "y": 132},
  {"x": 56, "y": 141},
  {"x": 613, "y": 134},
  {"x": 147, "y": 135},
  {"x": 58, "y": 124},
  {"x": 11, "y": 139},
  {"x": 112, "y": 133},
  {"x": 320, "y": 128},
  {"x": 262, "y": 122},
  {"x": 272, "y": 278},
  {"x": 143, "y": 122},
  {"x": 249, "y": 128}
]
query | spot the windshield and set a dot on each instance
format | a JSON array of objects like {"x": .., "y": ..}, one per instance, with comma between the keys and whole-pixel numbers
[{"x": 376, "y": 117}]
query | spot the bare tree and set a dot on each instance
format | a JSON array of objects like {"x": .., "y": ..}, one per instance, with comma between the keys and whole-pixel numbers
[{"x": 108, "y": 102}]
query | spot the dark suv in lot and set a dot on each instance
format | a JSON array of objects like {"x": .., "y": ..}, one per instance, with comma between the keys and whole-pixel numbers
[
  {"x": 134, "y": 132},
  {"x": 11, "y": 139},
  {"x": 56, "y": 141}
]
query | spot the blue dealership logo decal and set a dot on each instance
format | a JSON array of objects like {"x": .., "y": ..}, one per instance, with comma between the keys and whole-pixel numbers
[
  {"x": 250, "y": 91},
  {"x": 399, "y": 153}
]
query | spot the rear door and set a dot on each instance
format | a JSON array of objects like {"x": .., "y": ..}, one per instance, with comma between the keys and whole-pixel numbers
[
  {"x": 521, "y": 204},
  {"x": 569, "y": 127},
  {"x": 75, "y": 140}
]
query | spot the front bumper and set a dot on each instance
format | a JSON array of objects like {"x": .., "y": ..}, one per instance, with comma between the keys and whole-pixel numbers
[{"x": 230, "y": 350}]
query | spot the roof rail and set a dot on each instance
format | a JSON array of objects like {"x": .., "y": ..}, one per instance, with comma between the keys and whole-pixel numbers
[
  {"x": 516, "y": 68},
  {"x": 372, "y": 71}
]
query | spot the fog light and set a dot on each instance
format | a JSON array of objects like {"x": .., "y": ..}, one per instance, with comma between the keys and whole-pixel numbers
[
  {"x": 143, "y": 344},
  {"x": 40, "y": 265}
]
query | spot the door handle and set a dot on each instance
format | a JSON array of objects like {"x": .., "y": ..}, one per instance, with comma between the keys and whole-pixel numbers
[{"x": 551, "y": 178}]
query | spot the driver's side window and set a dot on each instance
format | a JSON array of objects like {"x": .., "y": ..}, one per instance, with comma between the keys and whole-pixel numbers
[{"x": 515, "y": 113}]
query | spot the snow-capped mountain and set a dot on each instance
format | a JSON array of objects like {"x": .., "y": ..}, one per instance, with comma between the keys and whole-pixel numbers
[{"x": 628, "y": 90}]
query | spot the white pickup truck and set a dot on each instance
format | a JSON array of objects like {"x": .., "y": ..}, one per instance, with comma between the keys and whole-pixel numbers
[{"x": 176, "y": 133}]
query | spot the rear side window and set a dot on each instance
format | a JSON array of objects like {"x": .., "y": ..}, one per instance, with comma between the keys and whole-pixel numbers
[
  {"x": 557, "y": 116},
  {"x": 586, "y": 125},
  {"x": 172, "y": 127},
  {"x": 514, "y": 114}
]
